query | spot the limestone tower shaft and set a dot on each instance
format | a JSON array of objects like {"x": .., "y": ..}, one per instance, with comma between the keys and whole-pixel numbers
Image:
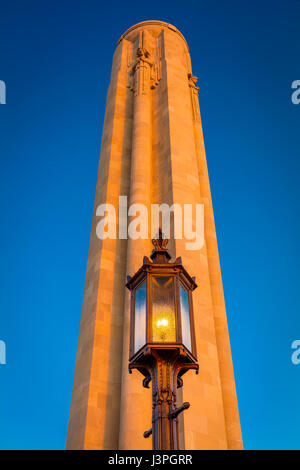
[{"x": 152, "y": 152}]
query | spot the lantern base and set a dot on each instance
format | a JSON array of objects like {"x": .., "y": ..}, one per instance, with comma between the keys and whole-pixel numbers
[{"x": 164, "y": 365}]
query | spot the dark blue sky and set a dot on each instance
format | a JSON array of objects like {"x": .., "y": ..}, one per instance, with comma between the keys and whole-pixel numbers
[{"x": 55, "y": 58}]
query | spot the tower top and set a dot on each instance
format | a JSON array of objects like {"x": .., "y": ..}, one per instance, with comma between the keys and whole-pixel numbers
[{"x": 155, "y": 24}]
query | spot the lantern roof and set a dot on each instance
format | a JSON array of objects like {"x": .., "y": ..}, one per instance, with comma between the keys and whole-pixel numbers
[{"x": 160, "y": 262}]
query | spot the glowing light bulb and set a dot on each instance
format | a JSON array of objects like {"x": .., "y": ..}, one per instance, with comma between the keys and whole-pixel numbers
[{"x": 162, "y": 322}]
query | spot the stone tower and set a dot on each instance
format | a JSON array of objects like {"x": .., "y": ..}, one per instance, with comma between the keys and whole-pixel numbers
[{"x": 152, "y": 152}]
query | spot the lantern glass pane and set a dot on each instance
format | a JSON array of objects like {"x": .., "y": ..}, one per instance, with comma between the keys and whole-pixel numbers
[
  {"x": 185, "y": 318},
  {"x": 163, "y": 310},
  {"x": 140, "y": 317}
]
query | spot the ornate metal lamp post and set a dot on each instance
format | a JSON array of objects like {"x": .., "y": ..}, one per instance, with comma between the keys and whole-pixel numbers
[{"x": 162, "y": 339}]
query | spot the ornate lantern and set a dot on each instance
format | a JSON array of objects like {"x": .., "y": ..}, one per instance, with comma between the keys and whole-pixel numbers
[{"x": 162, "y": 337}]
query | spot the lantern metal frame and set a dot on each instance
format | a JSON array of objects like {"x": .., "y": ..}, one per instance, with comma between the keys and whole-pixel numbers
[{"x": 163, "y": 363}]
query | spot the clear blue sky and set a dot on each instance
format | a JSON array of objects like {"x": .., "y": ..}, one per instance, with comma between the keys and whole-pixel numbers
[{"x": 55, "y": 57}]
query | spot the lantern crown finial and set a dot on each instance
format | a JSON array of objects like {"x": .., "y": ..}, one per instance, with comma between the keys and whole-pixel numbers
[
  {"x": 160, "y": 253},
  {"x": 160, "y": 243}
]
